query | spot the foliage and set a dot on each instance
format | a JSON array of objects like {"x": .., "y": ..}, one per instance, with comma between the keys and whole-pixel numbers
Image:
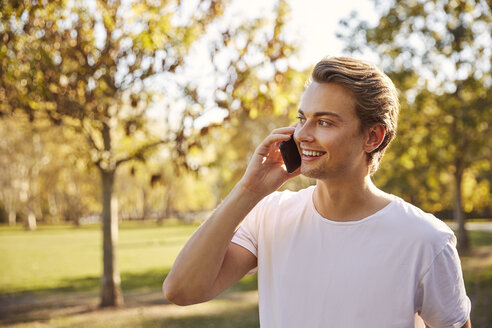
[
  {"x": 152, "y": 190},
  {"x": 56, "y": 65},
  {"x": 36, "y": 158},
  {"x": 45, "y": 168},
  {"x": 85, "y": 66},
  {"x": 236, "y": 140}
]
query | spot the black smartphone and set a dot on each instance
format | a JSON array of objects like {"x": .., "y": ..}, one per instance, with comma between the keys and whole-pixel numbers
[{"x": 290, "y": 154}]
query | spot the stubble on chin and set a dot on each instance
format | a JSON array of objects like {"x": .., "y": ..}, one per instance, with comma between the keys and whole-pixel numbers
[{"x": 318, "y": 172}]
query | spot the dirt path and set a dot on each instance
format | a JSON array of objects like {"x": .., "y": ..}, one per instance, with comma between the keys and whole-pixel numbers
[{"x": 80, "y": 309}]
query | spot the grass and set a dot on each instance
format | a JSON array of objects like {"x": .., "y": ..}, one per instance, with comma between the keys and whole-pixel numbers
[
  {"x": 51, "y": 277},
  {"x": 70, "y": 259},
  {"x": 477, "y": 271}
]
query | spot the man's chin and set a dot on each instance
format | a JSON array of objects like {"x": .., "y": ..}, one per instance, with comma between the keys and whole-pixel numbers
[{"x": 313, "y": 172}]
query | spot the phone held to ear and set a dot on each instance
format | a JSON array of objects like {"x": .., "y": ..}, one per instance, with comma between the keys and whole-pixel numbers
[{"x": 290, "y": 154}]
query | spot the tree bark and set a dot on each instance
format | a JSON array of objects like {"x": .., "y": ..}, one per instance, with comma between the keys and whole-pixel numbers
[
  {"x": 166, "y": 211},
  {"x": 145, "y": 206},
  {"x": 458, "y": 213},
  {"x": 111, "y": 294},
  {"x": 12, "y": 217},
  {"x": 31, "y": 221}
]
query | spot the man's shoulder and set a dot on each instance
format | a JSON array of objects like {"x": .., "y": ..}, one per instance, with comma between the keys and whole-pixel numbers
[
  {"x": 420, "y": 224},
  {"x": 279, "y": 206},
  {"x": 286, "y": 201},
  {"x": 417, "y": 215}
]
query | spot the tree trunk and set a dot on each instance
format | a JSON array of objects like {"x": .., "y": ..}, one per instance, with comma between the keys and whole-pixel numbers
[
  {"x": 31, "y": 221},
  {"x": 111, "y": 294},
  {"x": 12, "y": 217},
  {"x": 458, "y": 213},
  {"x": 166, "y": 211},
  {"x": 145, "y": 206}
]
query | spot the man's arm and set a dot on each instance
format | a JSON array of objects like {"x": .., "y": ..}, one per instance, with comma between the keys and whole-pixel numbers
[
  {"x": 209, "y": 263},
  {"x": 467, "y": 324}
]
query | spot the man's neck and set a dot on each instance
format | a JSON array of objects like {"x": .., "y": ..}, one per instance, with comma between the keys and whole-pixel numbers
[{"x": 349, "y": 200}]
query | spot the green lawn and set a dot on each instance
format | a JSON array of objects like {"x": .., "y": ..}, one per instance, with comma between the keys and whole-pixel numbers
[
  {"x": 70, "y": 259},
  {"x": 50, "y": 278},
  {"x": 477, "y": 270}
]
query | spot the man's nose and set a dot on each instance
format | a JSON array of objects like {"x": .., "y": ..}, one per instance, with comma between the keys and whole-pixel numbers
[{"x": 303, "y": 133}]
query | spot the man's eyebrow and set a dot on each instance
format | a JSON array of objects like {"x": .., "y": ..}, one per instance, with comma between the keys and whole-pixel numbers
[{"x": 317, "y": 114}]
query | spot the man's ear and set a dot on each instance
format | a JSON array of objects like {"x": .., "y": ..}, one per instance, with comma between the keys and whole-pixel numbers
[{"x": 374, "y": 137}]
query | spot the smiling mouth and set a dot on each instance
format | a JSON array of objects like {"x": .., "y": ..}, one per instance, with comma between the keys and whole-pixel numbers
[{"x": 312, "y": 153}]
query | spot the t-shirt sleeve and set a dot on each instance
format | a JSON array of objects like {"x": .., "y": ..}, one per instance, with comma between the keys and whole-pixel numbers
[
  {"x": 442, "y": 300},
  {"x": 247, "y": 234}
]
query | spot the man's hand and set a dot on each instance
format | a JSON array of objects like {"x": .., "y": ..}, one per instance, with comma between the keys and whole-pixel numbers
[{"x": 266, "y": 170}]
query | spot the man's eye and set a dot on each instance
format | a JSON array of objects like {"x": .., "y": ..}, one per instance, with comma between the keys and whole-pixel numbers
[
  {"x": 301, "y": 119},
  {"x": 325, "y": 123}
]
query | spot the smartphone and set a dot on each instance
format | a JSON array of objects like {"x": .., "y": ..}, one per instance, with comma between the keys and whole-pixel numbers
[{"x": 290, "y": 154}]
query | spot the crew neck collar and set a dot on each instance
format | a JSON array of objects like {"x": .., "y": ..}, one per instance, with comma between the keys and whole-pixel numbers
[{"x": 363, "y": 220}]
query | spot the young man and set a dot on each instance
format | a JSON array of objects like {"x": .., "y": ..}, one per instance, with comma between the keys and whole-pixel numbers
[{"x": 339, "y": 254}]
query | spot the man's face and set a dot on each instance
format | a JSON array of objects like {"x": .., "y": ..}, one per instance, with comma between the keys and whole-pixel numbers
[{"x": 328, "y": 134}]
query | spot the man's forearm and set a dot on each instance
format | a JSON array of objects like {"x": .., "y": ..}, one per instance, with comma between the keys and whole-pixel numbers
[{"x": 198, "y": 264}]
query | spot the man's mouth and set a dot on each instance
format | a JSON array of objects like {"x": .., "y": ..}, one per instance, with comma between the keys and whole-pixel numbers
[{"x": 312, "y": 153}]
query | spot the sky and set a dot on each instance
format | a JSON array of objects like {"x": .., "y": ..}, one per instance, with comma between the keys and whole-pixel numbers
[{"x": 315, "y": 22}]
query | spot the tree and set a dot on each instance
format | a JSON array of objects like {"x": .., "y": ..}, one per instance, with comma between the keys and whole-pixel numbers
[
  {"x": 438, "y": 54},
  {"x": 92, "y": 67},
  {"x": 21, "y": 149},
  {"x": 44, "y": 172},
  {"x": 154, "y": 190}
]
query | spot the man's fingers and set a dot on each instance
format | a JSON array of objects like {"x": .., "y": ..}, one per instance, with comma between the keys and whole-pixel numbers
[
  {"x": 285, "y": 130},
  {"x": 275, "y": 138}
]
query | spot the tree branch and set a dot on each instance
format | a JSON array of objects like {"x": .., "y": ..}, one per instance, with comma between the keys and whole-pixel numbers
[{"x": 138, "y": 154}]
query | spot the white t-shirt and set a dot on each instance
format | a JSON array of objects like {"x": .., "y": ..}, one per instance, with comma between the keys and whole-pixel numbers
[{"x": 376, "y": 272}]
